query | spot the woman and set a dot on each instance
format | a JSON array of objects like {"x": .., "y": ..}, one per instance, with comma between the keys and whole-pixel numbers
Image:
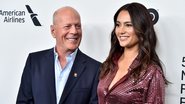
[{"x": 132, "y": 73}]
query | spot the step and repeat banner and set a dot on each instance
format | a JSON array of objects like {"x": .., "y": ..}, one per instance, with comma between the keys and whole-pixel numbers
[{"x": 25, "y": 28}]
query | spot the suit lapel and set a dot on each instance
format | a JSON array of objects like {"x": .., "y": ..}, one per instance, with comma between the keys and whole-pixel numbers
[
  {"x": 76, "y": 71},
  {"x": 50, "y": 75}
]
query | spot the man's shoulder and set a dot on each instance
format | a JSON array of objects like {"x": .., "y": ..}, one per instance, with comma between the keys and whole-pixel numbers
[{"x": 42, "y": 52}]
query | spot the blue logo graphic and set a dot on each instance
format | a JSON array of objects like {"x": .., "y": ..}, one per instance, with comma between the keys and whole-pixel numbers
[{"x": 33, "y": 16}]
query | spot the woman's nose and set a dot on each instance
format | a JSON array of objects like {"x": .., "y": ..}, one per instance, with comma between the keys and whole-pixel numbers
[{"x": 122, "y": 29}]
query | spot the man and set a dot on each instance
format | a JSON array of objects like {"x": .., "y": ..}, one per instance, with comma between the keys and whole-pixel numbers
[{"x": 63, "y": 74}]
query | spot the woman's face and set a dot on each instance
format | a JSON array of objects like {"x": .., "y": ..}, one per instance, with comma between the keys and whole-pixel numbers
[{"x": 125, "y": 31}]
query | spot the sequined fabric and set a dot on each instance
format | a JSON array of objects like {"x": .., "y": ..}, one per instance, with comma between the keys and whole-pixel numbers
[{"x": 148, "y": 90}]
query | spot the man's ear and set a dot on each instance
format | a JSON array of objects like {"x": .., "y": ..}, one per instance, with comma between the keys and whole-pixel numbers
[{"x": 52, "y": 31}]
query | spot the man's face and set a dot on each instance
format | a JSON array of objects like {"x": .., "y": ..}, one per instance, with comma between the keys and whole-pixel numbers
[{"x": 67, "y": 30}]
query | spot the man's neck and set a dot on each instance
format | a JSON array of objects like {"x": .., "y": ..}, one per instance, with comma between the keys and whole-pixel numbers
[{"x": 62, "y": 54}]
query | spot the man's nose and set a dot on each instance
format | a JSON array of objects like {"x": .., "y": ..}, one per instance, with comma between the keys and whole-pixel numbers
[{"x": 73, "y": 30}]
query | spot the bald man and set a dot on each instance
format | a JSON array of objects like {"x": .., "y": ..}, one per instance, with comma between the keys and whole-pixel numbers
[{"x": 62, "y": 74}]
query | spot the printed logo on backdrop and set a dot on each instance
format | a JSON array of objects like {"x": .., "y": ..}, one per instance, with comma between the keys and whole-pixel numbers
[
  {"x": 154, "y": 14},
  {"x": 182, "y": 90},
  {"x": 18, "y": 16},
  {"x": 33, "y": 16},
  {"x": 12, "y": 16}
]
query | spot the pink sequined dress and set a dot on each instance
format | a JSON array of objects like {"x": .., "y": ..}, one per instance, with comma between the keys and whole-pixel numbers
[{"x": 148, "y": 90}]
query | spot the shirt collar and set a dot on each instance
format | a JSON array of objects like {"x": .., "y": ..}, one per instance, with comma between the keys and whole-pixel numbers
[{"x": 69, "y": 57}]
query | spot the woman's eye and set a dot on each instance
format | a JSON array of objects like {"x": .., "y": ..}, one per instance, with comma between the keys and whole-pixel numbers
[
  {"x": 128, "y": 25},
  {"x": 117, "y": 25}
]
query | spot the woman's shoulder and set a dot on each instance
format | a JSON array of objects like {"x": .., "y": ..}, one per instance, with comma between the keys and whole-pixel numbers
[{"x": 154, "y": 69}]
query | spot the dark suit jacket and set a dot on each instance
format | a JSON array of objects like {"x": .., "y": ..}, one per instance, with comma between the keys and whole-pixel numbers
[{"x": 38, "y": 80}]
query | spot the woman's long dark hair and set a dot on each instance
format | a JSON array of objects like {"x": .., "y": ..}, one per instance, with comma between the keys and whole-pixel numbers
[{"x": 143, "y": 26}]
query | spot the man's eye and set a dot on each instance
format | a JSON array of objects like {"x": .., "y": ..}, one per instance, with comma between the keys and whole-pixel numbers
[
  {"x": 67, "y": 26},
  {"x": 78, "y": 26}
]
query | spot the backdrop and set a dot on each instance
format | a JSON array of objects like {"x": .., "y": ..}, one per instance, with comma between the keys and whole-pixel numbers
[{"x": 25, "y": 28}]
